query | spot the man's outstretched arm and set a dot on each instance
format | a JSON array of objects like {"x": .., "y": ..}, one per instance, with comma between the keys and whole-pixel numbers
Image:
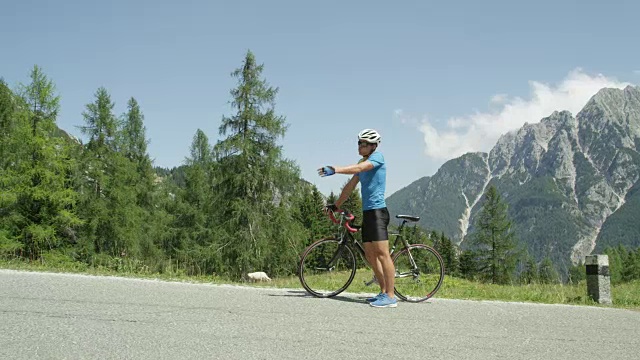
[{"x": 349, "y": 169}]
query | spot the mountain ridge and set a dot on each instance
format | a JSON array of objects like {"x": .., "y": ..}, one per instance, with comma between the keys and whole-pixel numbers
[{"x": 579, "y": 168}]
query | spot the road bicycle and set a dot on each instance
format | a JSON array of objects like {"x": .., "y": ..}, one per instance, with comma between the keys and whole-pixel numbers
[{"x": 328, "y": 266}]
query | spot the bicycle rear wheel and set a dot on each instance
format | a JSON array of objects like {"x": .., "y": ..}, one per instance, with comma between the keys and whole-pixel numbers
[
  {"x": 327, "y": 268},
  {"x": 419, "y": 273}
]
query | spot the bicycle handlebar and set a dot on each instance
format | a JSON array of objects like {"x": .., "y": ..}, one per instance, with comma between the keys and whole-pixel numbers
[{"x": 347, "y": 216}]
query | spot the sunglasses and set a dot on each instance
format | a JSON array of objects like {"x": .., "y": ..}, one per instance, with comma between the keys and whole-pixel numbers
[{"x": 363, "y": 143}]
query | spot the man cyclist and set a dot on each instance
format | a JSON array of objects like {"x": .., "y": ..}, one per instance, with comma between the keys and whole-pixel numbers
[{"x": 371, "y": 172}]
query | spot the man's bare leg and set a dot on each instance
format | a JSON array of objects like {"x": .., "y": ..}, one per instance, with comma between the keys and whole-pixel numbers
[
  {"x": 380, "y": 250},
  {"x": 370, "y": 254}
]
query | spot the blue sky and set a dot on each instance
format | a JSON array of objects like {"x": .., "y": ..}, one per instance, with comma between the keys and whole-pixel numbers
[{"x": 436, "y": 79}]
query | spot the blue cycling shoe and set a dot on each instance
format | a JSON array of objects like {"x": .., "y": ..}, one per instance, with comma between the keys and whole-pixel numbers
[
  {"x": 372, "y": 299},
  {"x": 385, "y": 301}
]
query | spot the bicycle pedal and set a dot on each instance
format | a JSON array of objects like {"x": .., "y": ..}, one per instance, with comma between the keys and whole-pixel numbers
[{"x": 372, "y": 281}]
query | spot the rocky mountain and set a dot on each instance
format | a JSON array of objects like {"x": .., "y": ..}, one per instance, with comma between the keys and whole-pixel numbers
[{"x": 571, "y": 182}]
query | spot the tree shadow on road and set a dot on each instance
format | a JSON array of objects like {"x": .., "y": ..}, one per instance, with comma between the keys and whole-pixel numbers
[
  {"x": 306, "y": 295},
  {"x": 353, "y": 298}
]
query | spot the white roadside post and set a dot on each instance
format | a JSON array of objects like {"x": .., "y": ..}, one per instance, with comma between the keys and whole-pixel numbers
[{"x": 598, "y": 279}]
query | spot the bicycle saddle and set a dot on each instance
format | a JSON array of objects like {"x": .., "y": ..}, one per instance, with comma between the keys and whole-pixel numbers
[{"x": 408, "y": 217}]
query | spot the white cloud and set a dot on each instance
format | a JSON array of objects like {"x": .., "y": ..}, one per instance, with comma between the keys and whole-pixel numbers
[
  {"x": 498, "y": 99},
  {"x": 481, "y": 130},
  {"x": 399, "y": 114}
]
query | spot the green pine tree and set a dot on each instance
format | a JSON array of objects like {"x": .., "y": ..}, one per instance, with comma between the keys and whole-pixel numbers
[
  {"x": 494, "y": 240},
  {"x": 331, "y": 199},
  {"x": 138, "y": 193},
  {"x": 617, "y": 257},
  {"x": 100, "y": 159},
  {"x": 134, "y": 147},
  {"x": 468, "y": 265},
  {"x": 631, "y": 266},
  {"x": 354, "y": 203},
  {"x": 529, "y": 273},
  {"x": 577, "y": 273},
  {"x": 196, "y": 220},
  {"x": 43, "y": 214},
  {"x": 7, "y": 120},
  {"x": 10, "y": 154},
  {"x": 254, "y": 183},
  {"x": 547, "y": 273},
  {"x": 311, "y": 215},
  {"x": 134, "y": 142},
  {"x": 448, "y": 251}
]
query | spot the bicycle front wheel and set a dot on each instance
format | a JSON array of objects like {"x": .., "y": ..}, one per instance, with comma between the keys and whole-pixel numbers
[
  {"x": 419, "y": 273},
  {"x": 327, "y": 268}
]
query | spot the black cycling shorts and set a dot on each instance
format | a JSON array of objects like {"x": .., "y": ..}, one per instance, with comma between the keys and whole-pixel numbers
[{"x": 374, "y": 225}]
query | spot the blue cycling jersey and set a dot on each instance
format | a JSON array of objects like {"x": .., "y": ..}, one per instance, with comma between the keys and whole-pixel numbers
[{"x": 373, "y": 183}]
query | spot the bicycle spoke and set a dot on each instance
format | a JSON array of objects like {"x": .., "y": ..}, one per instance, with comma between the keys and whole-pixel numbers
[
  {"x": 419, "y": 273},
  {"x": 327, "y": 268}
]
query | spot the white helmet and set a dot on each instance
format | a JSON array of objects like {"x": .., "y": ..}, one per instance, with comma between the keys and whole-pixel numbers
[{"x": 370, "y": 136}]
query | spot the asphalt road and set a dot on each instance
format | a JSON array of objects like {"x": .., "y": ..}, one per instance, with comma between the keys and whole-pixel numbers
[{"x": 62, "y": 316}]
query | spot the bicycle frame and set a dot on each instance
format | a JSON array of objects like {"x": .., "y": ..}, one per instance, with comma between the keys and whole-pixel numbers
[
  {"x": 346, "y": 242},
  {"x": 347, "y": 239}
]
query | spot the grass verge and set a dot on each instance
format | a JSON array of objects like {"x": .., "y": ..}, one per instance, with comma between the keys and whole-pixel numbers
[{"x": 626, "y": 296}]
